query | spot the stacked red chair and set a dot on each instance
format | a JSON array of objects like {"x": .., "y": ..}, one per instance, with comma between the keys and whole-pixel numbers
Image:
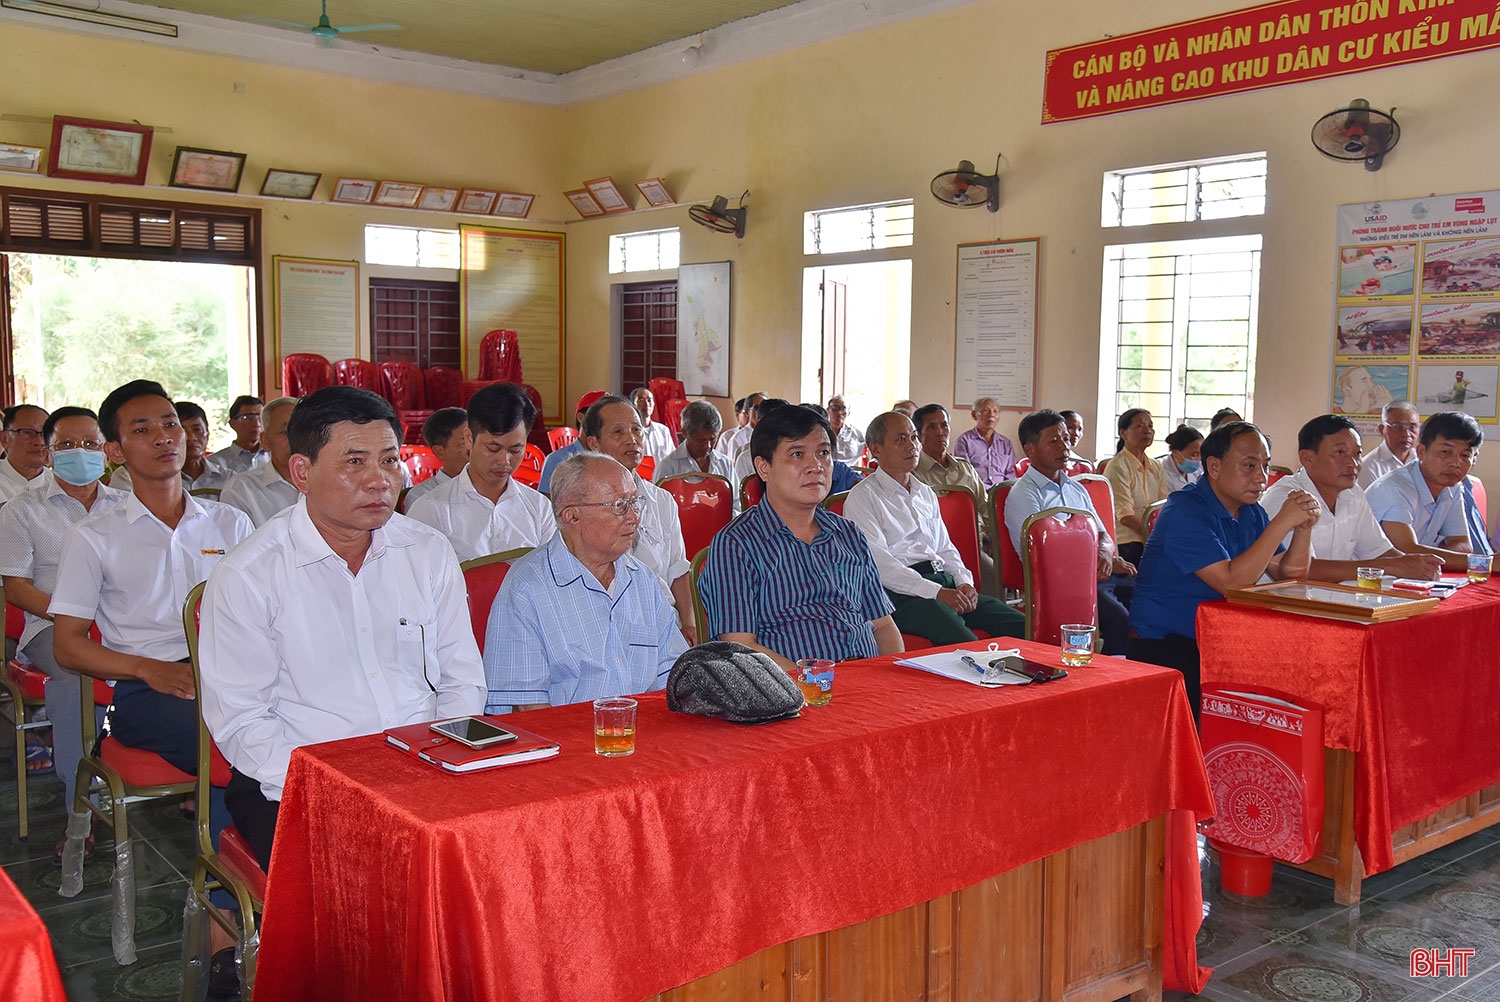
[
  {"x": 303, "y": 373},
  {"x": 359, "y": 372},
  {"x": 500, "y": 357}
]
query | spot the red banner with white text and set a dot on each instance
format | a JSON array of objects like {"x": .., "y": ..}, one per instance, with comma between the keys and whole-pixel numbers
[{"x": 1275, "y": 43}]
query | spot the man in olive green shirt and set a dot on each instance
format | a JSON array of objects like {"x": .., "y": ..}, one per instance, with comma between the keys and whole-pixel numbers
[{"x": 938, "y": 468}]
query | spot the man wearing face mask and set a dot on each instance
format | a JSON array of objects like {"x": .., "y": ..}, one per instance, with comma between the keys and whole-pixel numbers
[{"x": 32, "y": 529}]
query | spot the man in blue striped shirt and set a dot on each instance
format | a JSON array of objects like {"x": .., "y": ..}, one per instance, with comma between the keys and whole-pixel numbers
[{"x": 789, "y": 577}]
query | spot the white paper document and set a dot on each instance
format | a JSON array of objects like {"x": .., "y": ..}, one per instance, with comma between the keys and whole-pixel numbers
[{"x": 950, "y": 664}]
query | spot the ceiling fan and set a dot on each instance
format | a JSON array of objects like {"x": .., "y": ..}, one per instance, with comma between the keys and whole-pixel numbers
[{"x": 324, "y": 30}]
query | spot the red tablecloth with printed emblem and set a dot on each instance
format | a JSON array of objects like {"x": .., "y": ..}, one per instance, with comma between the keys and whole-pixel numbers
[
  {"x": 1417, "y": 700},
  {"x": 584, "y": 878},
  {"x": 28, "y": 969}
]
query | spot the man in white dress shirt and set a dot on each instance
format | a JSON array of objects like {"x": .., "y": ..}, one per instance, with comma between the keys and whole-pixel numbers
[
  {"x": 245, "y": 451},
  {"x": 25, "y": 450},
  {"x": 736, "y": 439},
  {"x": 263, "y": 490},
  {"x": 484, "y": 509},
  {"x": 848, "y": 441},
  {"x": 658, "y": 439},
  {"x": 1346, "y": 536},
  {"x": 695, "y": 454},
  {"x": 920, "y": 568},
  {"x": 447, "y": 434},
  {"x": 744, "y": 463},
  {"x": 199, "y": 471},
  {"x": 1400, "y": 424},
  {"x": 612, "y": 426},
  {"x": 334, "y": 619},
  {"x": 32, "y": 528}
]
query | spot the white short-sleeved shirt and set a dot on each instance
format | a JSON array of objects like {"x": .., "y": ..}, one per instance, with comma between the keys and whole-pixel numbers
[
  {"x": 1403, "y": 496},
  {"x": 904, "y": 526},
  {"x": 1033, "y": 492},
  {"x": 260, "y": 492},
  {"x": 848, "y": 443},
  {"x": 215, "y": 476},
  {"x": 477, "y": 528},
  {"x": 237, "y": 460},
  {"x": 659, "y": 444},
  {"x": 1374, "y": 465},
  {"x": 295, "y": 649},
  {"x": 32, "y": 529},
  {"x": 126, "y": 570},
  {"x": 1350, "y": 533},
  {"x": 426, "y": 487},
  {"x": 12, "y": 483},
  {"x": 658, "y": 542}
]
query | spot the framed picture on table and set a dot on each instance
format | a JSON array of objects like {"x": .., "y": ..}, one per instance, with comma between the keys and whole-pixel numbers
[
  {"x": 87, "y": 150},
  {"x": 207, "y": 170},
  {"x": 1331, "y": 601}
]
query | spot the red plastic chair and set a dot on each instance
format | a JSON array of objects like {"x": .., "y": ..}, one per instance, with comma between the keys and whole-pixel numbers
[
  {"x": 664, "y": 388},
  {"x": 1102, "y": 493},
  {"x": 303, "y": 373},
  {"x": 500, "y": 356},
  {"x": 442, "y": 386},
  {"x": 1077, "y": 469},
  {"x": 752, "y": 489},
  {"x": 482, "y": 579},
  {"x": 1022, "y": 466},
  {"x": 562, "y": 437},
  {"x": 705, "y": 504},
  {"x": 1012, "y": 575},
  {"x": 469, "y": 387},
  {"x": 960, "y": 511},
  {"x": 671, "y": 416},
  {"x": 530, "y": 470},
  {"x": 835, "y": 502},
  {"x": 647, "y": 469},
  {"x": 1276, "y": 473},
  {"x": 1152, "y": 513},
  {"x": 421, "y": 462},
  {"x": 1061, "y": 561},
  {"x": 538, "y": 434},
  {"x": 359, "y": 372},
  {"x": 402, "y": 384}
]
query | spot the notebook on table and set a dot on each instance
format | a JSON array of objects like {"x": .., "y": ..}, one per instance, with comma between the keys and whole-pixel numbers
[{"x": 421, "y": 741}]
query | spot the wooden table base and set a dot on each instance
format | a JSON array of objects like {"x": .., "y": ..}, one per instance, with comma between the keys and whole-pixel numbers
[
  {"x": 1340, "y": 859},
  {"x": 1083, "y": 925}
]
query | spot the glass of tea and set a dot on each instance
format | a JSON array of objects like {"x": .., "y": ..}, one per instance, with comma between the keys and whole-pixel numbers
[
  {"x": 815, "y": 679},
  {"x": 614, "y": 726}
]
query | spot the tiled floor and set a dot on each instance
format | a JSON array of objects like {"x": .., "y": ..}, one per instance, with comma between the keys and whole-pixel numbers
[{"x": 1294, "y": 945}]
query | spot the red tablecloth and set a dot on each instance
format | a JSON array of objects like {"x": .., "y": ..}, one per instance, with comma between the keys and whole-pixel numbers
[
  {"x": 584, "y": 878},
  {"x": 27, "y": 968},
  {"x": 1417, "y": 700}
]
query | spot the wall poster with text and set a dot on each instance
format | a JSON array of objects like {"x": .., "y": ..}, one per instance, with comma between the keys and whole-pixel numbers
[{"x": 1417, "y": 307}]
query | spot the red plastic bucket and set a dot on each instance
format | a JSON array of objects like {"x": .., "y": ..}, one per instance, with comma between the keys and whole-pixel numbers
[{"x": 1243, "y": 872}]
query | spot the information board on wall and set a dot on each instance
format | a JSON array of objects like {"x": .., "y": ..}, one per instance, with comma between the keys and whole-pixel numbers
[
  {"x": 317, "y": 307},
  {"x": 514, "y": 279},
  {"x": 995, "y": 323},
  {"x": 1417, "y": 307}
]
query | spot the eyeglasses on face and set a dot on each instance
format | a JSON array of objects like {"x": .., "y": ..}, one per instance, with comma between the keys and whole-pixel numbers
[
  {"x": 64, "y": 444},
  {"x": 246, "y": 418},
  {"x": 25, "y": 432},
  {"x": 618, "y": 507}
]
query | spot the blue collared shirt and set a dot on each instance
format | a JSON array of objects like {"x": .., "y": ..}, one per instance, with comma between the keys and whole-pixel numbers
[
  {"x": 1033, "y": 493},
  {"x": 801, "y": 600},
  {"x": 1402, "y": 495},
  {"x": 555, "y": 635},
  {"x": 553, "y": 461},
  {"x": 1193, "y": 531}
]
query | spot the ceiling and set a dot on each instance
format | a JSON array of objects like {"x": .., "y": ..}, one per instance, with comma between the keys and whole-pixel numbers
[{"x": 549, "y": 36}]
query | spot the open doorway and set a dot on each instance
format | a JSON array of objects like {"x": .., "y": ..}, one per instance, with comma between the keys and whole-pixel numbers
[
  {"x": 856, "y": 335},
  {"x": 80, "y": 326}
]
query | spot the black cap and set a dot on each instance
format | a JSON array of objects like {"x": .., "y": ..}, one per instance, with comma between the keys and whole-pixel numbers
[{"x": 731, "y": 682}]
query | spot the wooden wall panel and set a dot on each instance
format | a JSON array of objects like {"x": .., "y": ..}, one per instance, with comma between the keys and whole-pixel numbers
[{"x": 998, "y": 938}]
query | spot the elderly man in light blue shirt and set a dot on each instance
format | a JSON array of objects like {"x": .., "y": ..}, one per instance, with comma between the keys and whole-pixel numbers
[
  {"x": 1421, "y": 505},
  {"x": 580, "y": 618}
]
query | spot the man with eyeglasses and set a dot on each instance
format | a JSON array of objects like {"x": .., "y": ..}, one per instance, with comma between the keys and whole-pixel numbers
[
  {"x": 921, "y": 570},
  {"x": 581, "y": 618},
  {"x": 1400, "y": 424},
  {"x": 613, "y": 426},
  {"x": 32, "y": 530},
  {"x": 25, "y": 450},
  {"x": 848, "y": 441},
  {"x": 245, "y": 452}
]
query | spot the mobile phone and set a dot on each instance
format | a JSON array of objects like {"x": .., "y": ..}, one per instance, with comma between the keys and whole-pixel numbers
[
  {"x": 473, "y": 731},
  {"x": 1035, "y": 670}
]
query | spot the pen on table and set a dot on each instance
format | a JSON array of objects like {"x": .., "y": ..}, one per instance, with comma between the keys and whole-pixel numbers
[{"x": 981, "y": 669}]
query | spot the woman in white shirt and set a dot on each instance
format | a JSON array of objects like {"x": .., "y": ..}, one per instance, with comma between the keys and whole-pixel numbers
[{"x": 1182, "y": 465}]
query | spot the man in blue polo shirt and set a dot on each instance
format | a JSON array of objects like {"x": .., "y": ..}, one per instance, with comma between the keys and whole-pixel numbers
[
  {"x": 789, "y": 577},
  {"x": 1213, "y": 536},
  {"x": 1421, "y": 505}
]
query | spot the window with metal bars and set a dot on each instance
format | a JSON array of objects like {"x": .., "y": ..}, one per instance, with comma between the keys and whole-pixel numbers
[
  {"x": 645, "y": 250},
  {"x": 648, "y": 333},
  {"x": 47, "y": 222},
  {"x": 1186, "y": 192},
  {"x": 415, "y": 322},
  {"x": 1179, "y": 325},
  {"x": 858, "y": 228}
]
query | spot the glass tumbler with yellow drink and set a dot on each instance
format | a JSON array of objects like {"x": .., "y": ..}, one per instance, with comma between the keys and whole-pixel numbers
[
  {"x": 1479, "y": 567},
  {"x": 815, "y": 679},
  {"x": 1369, "y": 578},
  {"x": 614, "y": 726},
  {"x": 1077, "y": 643}
]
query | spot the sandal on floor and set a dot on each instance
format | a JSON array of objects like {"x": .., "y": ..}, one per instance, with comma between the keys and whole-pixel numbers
[{"x": 38, "y": 758}]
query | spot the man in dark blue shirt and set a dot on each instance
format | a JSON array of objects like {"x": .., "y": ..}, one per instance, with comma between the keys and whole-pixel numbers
[{"x": 1212, "y": 536}]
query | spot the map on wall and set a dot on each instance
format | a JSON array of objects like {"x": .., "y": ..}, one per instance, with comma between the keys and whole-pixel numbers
[
  {"x": 703, "y": 328},
  {"x": 1417, "y": 307}
]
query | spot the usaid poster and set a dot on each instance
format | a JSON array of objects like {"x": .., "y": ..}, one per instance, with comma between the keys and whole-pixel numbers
[{"x": 1417, "y": 307}]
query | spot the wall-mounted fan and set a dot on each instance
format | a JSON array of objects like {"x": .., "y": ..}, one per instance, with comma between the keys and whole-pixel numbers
[
  {"x": 719, "y": 217},
  {"x": 1358, "y": 132},
  {"x": 967, "y": 188},
  {"x": 324, "y": 31}
]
